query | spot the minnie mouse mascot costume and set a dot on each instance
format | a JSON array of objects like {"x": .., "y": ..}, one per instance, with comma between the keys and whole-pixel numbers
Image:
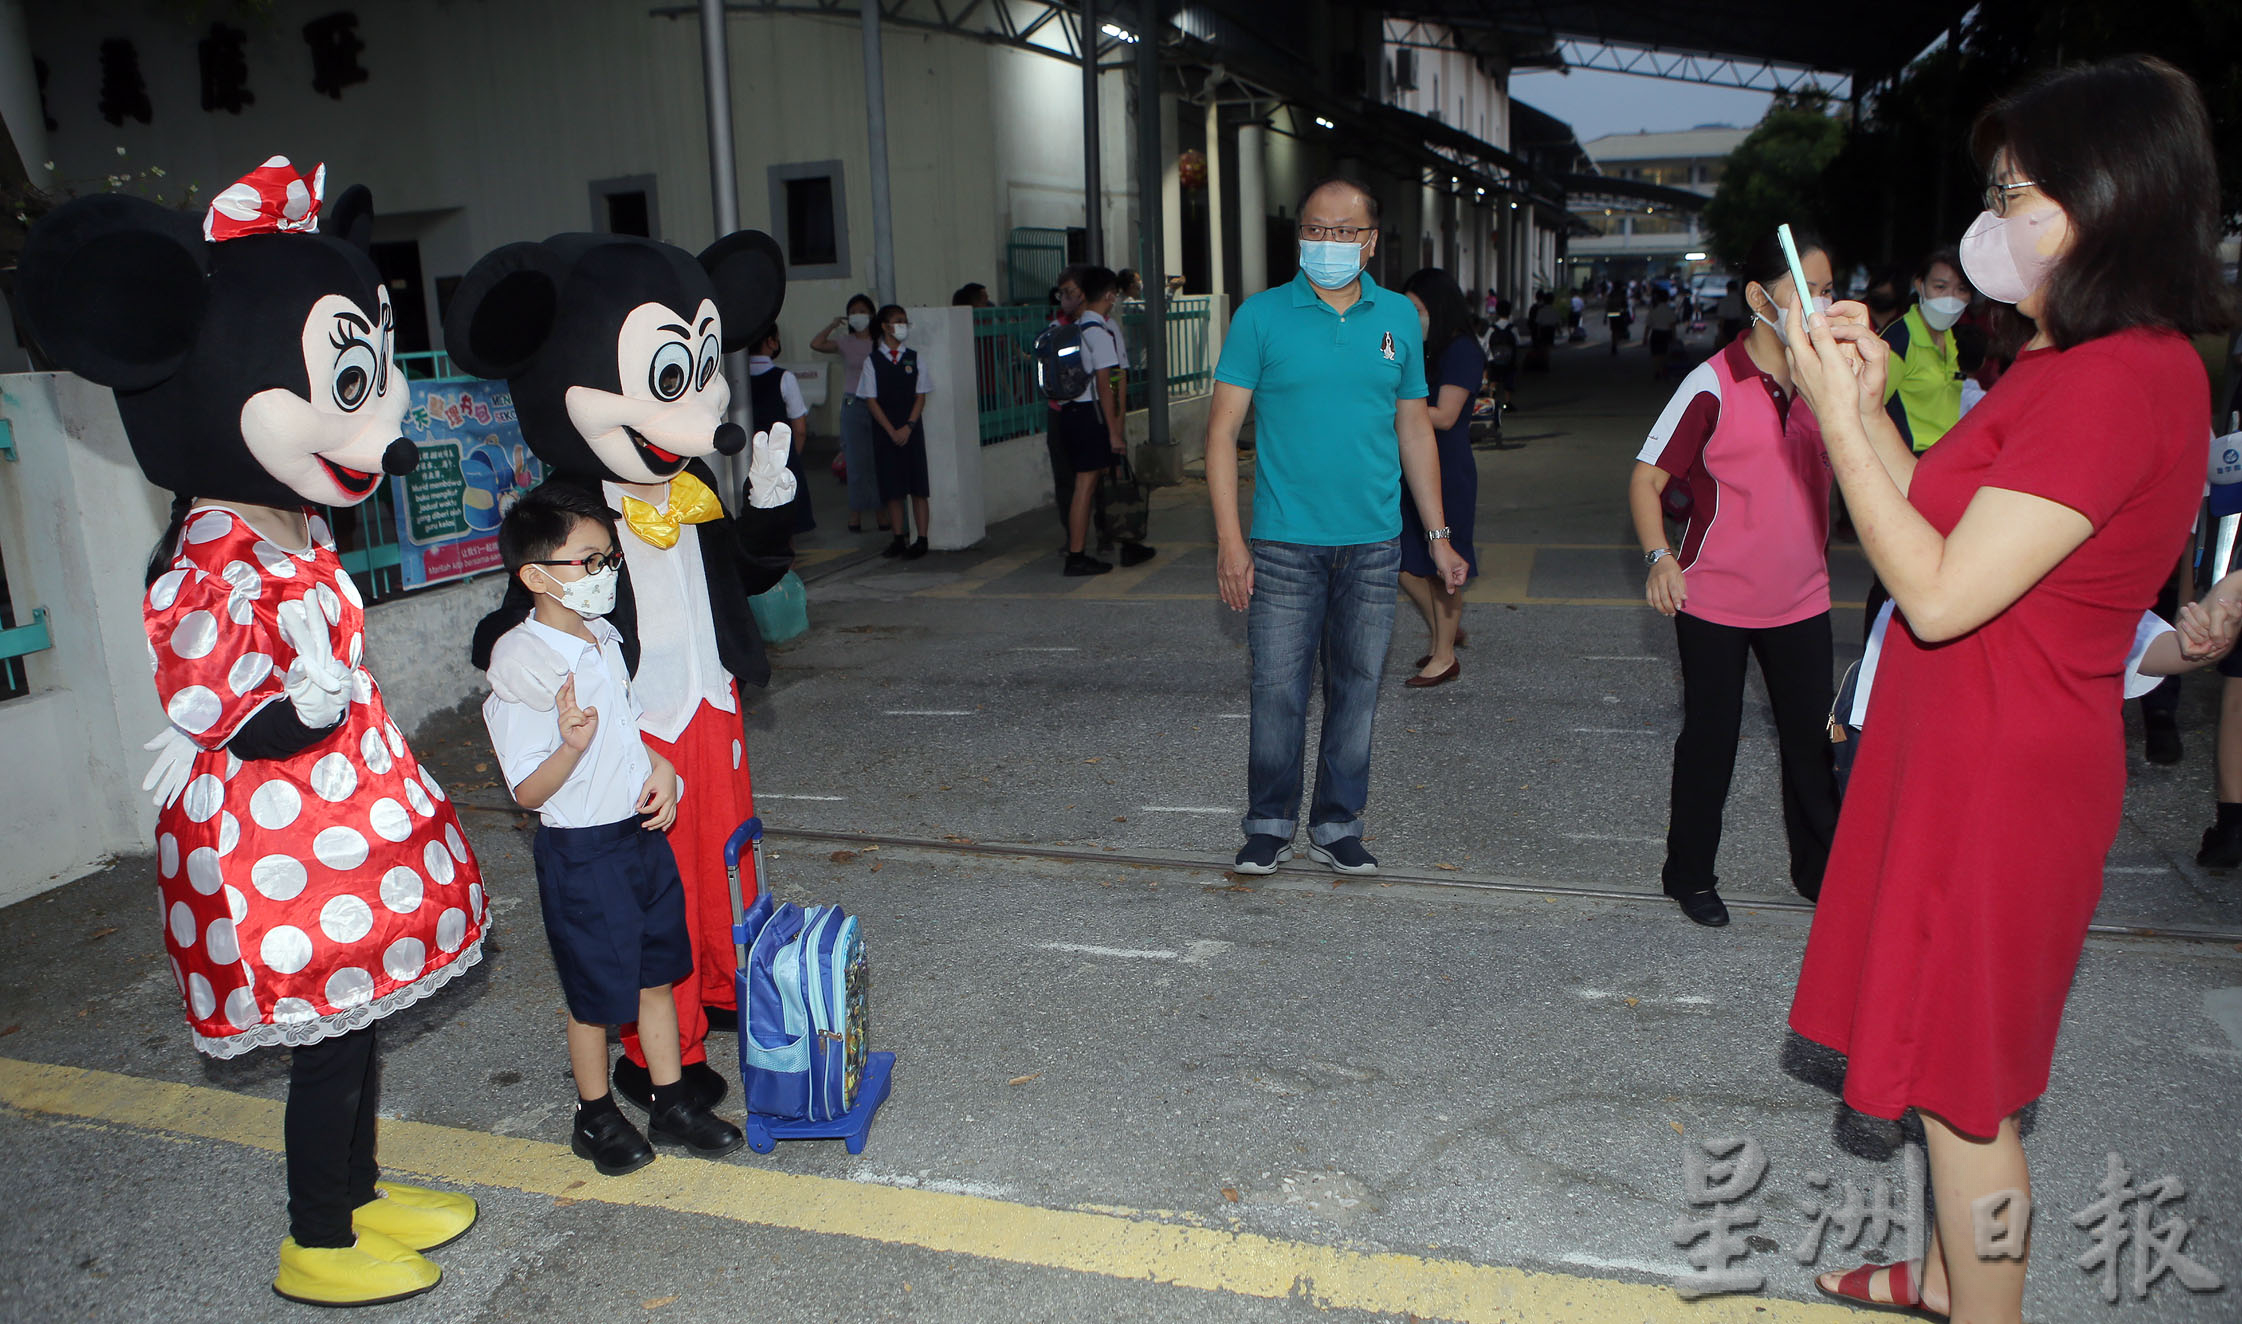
[
  {"x": 613, "y": 348},
  {"x": 312, "y": 874}
]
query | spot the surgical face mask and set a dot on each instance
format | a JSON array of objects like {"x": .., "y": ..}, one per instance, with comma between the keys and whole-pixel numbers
[
  {"x": 1819, "y": 304},
  {"x": 901, "y": 331},
  {"x": 593, "y": 595},
  {"x": 1329, "y": 263},
  {"x": 1943, "y": 312},
  {"x": 2001, "y": 256},
  {"x": 858, "y": 321}
]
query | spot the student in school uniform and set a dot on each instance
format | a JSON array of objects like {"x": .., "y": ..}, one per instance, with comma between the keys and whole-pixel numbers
[
  {"x": 894, "y": 392},
  {"x": 774, "y": 396},
  {"x": 1751, "y": 578},
  {"x": 850, "y": 335},
  {"x": 1087, "y": 429}
]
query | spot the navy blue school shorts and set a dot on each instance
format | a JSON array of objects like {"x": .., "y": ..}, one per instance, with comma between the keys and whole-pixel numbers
[{"x": 614, "y": 914}]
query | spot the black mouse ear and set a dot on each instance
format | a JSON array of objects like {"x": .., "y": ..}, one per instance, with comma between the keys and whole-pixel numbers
[
  {"x": 350, "y": 217},
  {"x": 750, "y": 276},
  {"x": 503, "y": 311},
  {"x": 113, "y": 288}
]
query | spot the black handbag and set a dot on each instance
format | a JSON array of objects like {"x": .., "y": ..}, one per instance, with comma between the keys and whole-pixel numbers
[{"x": 1125, "y": 508}]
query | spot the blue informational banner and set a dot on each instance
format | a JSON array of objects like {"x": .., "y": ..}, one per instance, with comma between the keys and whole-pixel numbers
[{"x": 473, "y": 466}]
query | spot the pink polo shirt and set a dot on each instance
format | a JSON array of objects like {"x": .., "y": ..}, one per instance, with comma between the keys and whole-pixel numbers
[{"x": 1755, "y": 553}]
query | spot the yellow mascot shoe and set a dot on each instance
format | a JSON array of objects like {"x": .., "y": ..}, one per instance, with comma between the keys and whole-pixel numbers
[
  {"x": 374, "y": 1271},
  {"x": 415, "y": 1217}
]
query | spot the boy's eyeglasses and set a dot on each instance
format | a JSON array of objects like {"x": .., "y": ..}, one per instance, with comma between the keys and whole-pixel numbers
[{"x": 592, "y": 564}]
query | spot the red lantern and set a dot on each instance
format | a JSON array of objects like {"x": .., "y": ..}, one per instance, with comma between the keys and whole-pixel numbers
[{"x": 1191, "y": 168}]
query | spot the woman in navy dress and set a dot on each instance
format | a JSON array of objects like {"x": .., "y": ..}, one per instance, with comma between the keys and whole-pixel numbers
[{"x": 1454, "y": 367}]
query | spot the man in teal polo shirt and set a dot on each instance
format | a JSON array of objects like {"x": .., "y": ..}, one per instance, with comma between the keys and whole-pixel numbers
[{"x": 1332, "y": 366}]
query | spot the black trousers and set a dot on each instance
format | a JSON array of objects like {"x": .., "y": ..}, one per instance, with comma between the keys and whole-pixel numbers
[
  {"x": 333, "y": 1089},
  {"x": 1795, "y": 661}
]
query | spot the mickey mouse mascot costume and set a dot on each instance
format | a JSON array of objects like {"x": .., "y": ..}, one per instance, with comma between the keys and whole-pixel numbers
[
  {"x": 312, "y": 874},
  {"x": 613, "y": 347}
]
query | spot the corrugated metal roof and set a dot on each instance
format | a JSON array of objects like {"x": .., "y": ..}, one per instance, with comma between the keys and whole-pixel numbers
[{"x": 1619, "y": 147}]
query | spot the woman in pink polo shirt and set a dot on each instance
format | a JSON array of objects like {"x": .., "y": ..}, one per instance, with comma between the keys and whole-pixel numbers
[{"x": 1751, "y": 578}]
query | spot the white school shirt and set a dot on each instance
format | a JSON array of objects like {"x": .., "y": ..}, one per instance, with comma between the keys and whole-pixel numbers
[
  {"x": 604, "y": 786},
  {"x": 2137, "y": 683},
  {"x": 789, "y": 389},
  {"x": 868, "y": 385},
  {"x": 1100, "y": 352},
  {"x": 679, "y": 668}
]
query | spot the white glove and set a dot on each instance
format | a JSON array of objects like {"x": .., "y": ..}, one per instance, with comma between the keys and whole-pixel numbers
[
  {"x": 318, "y": 682},
  {"x": 174, "y": 765},
  {"x": 524, "y": 671},
  {"x": 770, "y": 483}
]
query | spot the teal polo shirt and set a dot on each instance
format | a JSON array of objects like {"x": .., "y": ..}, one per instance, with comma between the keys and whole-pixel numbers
[{"x": 1326, "y": 459}]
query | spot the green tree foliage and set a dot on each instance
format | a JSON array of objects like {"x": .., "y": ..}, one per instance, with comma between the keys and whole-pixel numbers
[
  {"x": 1774, "y": 175},
  {"x": 1906, "y": 182}
]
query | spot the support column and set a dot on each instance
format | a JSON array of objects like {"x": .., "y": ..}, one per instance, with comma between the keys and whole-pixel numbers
[
  {"x": 724, "y": 200},
  {"x": 875, "y": 102},
  {"x": 1093, "y": 184},
  {"x": 1217, "y": 269},
  {"x": 1159, "y": 460},
  {"x": 1253, "y": 214}
]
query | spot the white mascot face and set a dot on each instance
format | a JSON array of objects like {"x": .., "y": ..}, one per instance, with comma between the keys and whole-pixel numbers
[
  {"x": 329, "y": 448},
  {"x": 673, "y": 398}
]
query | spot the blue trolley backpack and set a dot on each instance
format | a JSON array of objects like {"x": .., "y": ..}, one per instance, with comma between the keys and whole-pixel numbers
[{"x": 803, "y": 985}]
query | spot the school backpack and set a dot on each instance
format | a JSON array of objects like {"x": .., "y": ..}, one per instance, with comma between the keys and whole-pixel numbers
[
  {"x": 1061, "y": 369},
  {"x": 803, "y": 986},
  {"x": 1502, "y": 347}
]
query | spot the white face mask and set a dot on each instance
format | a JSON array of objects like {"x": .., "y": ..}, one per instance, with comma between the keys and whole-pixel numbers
[
  {"x": 901, "y": 331},
  {"x": 1819, "y": 304},
  {"x": 593, "y": 595},
  {"x": 1943, "y": 312},
  {"x": 858, "y": 321}
]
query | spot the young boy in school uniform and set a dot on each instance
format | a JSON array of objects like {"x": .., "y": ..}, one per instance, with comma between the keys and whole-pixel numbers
[{"x": 606, "y": 879}]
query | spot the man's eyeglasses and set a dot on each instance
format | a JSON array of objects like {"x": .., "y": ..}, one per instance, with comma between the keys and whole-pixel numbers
[
  {"x": 1996, "y": 195},
  {"x": 592, "y": 564},
  {"x": 1345, "y": 234}
]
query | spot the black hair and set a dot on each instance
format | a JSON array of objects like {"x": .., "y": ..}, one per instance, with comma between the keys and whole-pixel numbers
[
  {"x": 1444, "y": 308},
  {"x": 1765, "y": 264},
  {"x": 1658, "y": 294},
  {"x": 540, "y": 523},
  {"x": 1942, "y": 257},
  {"x": 881, "y": 318},
  {"x": 964, "y": 293},
  {"x": 1369, "y": 198},
  {"x": 1502, "y": 307},
  {"x": 1095, "y": 282},
  {"x": 872, "y": 330},
  {"x": 1128, "y": 276},
  {"x": 1970, "y": 346},
  {"x": 768, "y": 335},
  {"x": 167, "y": 547},
  {"x": 2124, "y": 147}
]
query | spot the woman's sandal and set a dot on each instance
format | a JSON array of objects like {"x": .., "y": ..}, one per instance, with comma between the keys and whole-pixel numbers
[{"x": 1907, "y": 1293}]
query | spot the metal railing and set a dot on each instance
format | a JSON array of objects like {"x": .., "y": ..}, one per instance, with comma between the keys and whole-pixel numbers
[
  {"x": 1004, "y": 362},
  {"x": 1033, "y": 259}
]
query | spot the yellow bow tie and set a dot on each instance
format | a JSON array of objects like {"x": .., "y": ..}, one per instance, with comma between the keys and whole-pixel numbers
[{"x": 690, "y": 502}]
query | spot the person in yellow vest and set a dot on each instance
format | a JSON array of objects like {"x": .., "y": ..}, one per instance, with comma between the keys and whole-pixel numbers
[{"x": 1923, "y": 394}]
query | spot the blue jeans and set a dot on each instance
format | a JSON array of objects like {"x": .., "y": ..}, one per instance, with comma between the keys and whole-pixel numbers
[{"x": 1337, "y": 602}]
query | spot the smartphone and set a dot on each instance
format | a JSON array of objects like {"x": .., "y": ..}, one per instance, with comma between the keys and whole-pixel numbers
[{"x": 1797, "y": 272}]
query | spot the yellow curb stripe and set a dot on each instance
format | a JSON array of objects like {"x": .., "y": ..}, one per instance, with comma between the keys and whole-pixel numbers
[{"x": 1109, "y": 1245}]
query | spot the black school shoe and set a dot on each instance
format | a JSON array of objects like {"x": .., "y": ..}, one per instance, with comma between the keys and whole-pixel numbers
[
  {"x": 1704, "y": 908},
  {"x": 2222, "y": 846},
  {"x": 636, "y": 1083},
  {"x": 692, "y": 1125},
  {"x": 608, "y": 1139},
  {"x": 895, "y": 548},
  {"x": 2163, "y": 742},
  {"x": 915, "y": 550},
  {"x": 1079, "y": 564},
  {"x": 1136, "y": 553}
]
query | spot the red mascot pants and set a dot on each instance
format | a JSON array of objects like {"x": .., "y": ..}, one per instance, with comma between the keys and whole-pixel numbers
[{"x": 716, "y": 796}]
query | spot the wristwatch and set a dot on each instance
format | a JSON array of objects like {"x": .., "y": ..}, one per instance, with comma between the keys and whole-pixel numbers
[
  {"x": 1435, "y": 535},
  {"x": 1651, "y": 558}
]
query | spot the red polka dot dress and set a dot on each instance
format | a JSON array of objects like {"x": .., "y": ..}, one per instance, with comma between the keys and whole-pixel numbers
[{"x": 308, "y": 896}]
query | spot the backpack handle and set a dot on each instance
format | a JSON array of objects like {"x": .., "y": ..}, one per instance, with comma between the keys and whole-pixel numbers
[{"x": 748, "y": 835}]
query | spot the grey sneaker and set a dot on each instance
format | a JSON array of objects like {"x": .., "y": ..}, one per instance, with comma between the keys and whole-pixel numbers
[
  {"x": 1262, "y": 853},
  {"x": 1345, "y": 855}
]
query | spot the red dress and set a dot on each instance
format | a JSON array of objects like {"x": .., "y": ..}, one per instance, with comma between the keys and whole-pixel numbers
[
  {"x": 307, "y": 896},
  {"x": 1969, "y": 855}
]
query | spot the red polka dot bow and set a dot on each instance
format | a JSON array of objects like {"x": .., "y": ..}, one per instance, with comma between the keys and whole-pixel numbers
[{"x": 272, "y": 199}]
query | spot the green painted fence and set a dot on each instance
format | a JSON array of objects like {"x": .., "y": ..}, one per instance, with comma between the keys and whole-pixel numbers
[{"x": 1004, "y": 361}]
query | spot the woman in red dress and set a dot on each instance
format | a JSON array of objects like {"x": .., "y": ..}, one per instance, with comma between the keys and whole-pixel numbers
[{"x": 2021, "y": 551}]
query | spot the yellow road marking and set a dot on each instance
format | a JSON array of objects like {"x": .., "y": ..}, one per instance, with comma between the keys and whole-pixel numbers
[
  {"x": 996, "y": 567},
  {"x": 1504, "y": 569},
  {"x": 1122, "y": 1246}
]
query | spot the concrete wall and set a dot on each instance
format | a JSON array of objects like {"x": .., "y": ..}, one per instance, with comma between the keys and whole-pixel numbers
[{"x": 76, "y": 524}]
